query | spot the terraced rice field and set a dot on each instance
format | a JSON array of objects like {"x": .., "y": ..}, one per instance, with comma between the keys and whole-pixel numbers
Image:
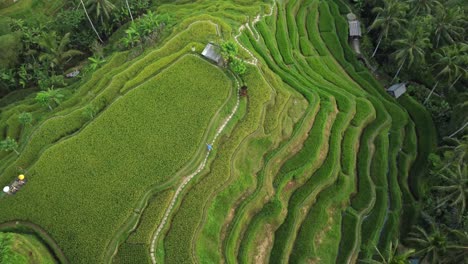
[{"x": 312, "y": 167}]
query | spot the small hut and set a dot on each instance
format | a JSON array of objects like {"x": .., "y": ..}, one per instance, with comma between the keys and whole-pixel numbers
[
  {"x": 397, "y": 90},
  {"x": 354, "y": 26},
  {"x": 211, "y": 52}
]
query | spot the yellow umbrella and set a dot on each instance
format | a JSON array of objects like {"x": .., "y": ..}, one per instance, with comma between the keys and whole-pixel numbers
[{"x": 21, "y": 177}]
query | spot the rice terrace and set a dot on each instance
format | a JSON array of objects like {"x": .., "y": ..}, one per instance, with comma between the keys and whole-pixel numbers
[{"x": 233, "y": 131}]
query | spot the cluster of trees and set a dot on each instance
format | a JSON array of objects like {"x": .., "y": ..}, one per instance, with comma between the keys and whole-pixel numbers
[
  {"x": 442, "y": 236},
  {"x": 42, "y": 57},
  {"x": 36, "y": 51},
  {"x": 423, "y": 42},
  {"x": 145, "y": 29},
  {"x": 229, "y": 52}
]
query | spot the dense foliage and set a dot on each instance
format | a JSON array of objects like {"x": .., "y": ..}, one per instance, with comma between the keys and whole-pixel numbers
[
  {"x": 425, "y": 43},
  {"x": 318, "y": 164},
  {"x": 39, "y": 50}
]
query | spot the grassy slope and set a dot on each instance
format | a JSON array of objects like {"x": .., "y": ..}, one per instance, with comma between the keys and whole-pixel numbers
[
  {"x": 238, "y": 218},
  {"x": 101, "y": 152},
  {"x": 23, "y": 249}
]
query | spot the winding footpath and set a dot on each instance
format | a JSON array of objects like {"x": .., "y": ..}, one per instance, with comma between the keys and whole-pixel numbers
[
  {"x": 188, "y": 178},
  {"x": 253, "y": 61}
]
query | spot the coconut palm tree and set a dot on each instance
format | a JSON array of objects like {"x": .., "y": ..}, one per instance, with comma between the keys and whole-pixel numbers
[
  {"x": 101, "y": 9},
  {"x": 459, "y": 147},
  {"x": 391, "y": 15},
  {"x": 431, "y": 245},
  {"x": 449, "y": 24},
  {"x": 55, "y": 53},
  {"x": 423, "y": 6},
  {"x": 455, "y": 185},
  {"x": 411, "y": 48},
  {"x": 393, "y": 256},
  {"x": 437, "y": 247},
  {"x": 450, "y": 65},
  {"x": 90, "y": 21},
  {"x": 129, "y": 11}
]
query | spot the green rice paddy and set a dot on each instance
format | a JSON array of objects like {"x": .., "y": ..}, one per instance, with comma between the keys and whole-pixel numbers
[{"x": 315, "y": 165}]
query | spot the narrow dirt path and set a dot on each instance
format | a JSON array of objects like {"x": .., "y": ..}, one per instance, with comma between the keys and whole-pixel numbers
[
  {"x": 188, "y": 178},
  {"x": 253, "y": 61}
]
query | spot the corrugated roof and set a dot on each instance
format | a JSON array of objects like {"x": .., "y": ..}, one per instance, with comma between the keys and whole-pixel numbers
[
  {"x": 397, "y": 89},
  {"x": 354, "y": 28},
  {"x": 396, "y": 86},
  {"x": 211, "y": 52}
]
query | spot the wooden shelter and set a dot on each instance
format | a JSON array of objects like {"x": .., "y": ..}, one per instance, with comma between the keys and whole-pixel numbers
[
  {"x": 354, "y": 26},
  {"x": 397, "y": 90},
  {"x": 212, "y": 53}
]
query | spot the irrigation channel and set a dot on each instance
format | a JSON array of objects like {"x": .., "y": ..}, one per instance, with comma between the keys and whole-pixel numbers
[{"x": 188, "y": 178}]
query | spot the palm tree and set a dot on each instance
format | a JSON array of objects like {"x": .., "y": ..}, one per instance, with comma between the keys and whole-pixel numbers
[
  {"x": 458, "y": 130},
  {"x": 55, "y": 52},
  {"x": 450, "y": 65},
  {"x": 129, "y": 11},
  {"x": 394, "y": 257},
  {"x": 431, "y": 246},
  {"x": 448, "y": 24},
  {"x": 455, "y": 185},
  {"x": 458, "y": 146},
  {"x": 90, "y": 21},
  {"x": 101, "y": 9},
  {"x": 45, "y": 98},
  {"x": 412, "y": 48},
  {"x": 423, "y": 6},
  {"x": 389, "y": 16}
]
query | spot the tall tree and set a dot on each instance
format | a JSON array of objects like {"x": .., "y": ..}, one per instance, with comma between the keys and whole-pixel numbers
[
  {"x": 411, "y": 48},
  {"x": 129, "y": 11},
  {"x": 391, "y": 15},
  {"x": 90, "y": 21},
  {"x": 434, "y": 245},
  {"x": 449, "y": 24},
  {"x": 46, "y": 98},
  {"x": 9, "y": 144},
  {"x": 393, "y": 257},
  {"x": 423, "y": 6},
  {"x": 454, "y": 186},
  {"x": 55, "y": 52},
  {"x": 450, "y": 65},
  {"x": 101, "y": 9}
]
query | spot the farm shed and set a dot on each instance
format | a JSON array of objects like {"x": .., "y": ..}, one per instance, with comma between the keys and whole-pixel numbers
[
  {"x": 354, "y": 26},
  {"x": 397, "y": 90},
  {"x": 211, "y": 52}
]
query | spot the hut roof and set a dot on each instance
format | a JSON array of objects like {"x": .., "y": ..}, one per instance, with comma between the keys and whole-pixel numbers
[
  {"x": 211, "y": 52},
  {"x": 354, "y": 28},
  {"x": 397, "y": 90}
]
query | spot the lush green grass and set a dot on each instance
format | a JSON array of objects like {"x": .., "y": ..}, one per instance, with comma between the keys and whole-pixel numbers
[
  {"x": 18, "y": 248},
  {"x": 178, "y": 242},
  {"x": 166, "y": 118},
  {"x": 309, "y": 169}
]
